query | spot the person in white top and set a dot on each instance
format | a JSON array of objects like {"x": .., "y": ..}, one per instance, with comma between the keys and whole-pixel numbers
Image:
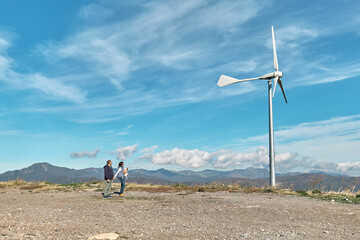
[{"x": 122, "y": 174}]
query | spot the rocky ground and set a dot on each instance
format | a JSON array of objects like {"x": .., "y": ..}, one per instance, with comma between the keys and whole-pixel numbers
[{"x": 179, "y": 215}]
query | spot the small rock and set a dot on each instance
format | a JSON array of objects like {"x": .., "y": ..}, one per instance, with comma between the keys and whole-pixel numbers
[
  {"x": 110, "y": 236},
  {"x": 244, "y": 235}
]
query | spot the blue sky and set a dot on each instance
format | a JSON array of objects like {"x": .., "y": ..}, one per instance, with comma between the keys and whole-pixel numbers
[{"x": 86, "y": 81}]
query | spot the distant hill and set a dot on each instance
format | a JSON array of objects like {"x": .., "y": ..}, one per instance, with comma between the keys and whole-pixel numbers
[
  {"x": 50, "y": 173},
  {"x": 47, "y": 172},
  {"x": 302, "y": 181},
  {"x": 245, "y": 177}
]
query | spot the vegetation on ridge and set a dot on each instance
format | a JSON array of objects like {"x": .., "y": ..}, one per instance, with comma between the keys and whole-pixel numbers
[{"x": 344, "y": 196}]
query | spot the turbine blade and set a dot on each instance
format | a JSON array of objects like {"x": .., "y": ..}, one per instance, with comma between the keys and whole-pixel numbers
[
  {"x": 275, "y": 82},
  {"x": 225, "y": 80},
  {"x": 276, "y": 65},
  {"x": 282, "y": 89}
]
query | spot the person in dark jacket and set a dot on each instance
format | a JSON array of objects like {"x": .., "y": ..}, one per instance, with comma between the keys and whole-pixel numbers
[{"x": 108, "y": 176}]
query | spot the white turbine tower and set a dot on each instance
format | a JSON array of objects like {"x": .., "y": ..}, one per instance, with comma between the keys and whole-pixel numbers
[{"x": 225, "y": 80}]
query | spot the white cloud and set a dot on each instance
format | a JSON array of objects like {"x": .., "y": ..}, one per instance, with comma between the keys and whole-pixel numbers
[
  {"x": 183, "y": 157},
  {"x": 92, "y": 154},
  {"x": 350, "y": 168},
  {"x": 329, "y": 141},
  {"x": 147, "y": 153},
  {"x": 124, "y": 153},
  {"x": 228, "y": 159},
  {"x": 329, "y": 145},
  {"x": 223, "y": 159},
  {"x": 259, "y": 158}
]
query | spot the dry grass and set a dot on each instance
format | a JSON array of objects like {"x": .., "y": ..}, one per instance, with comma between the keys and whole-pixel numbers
[
  {"x": 47, "y": 186},
  {"x": 14, "y": 183},
  {"x": 346, "y": 196},
  {"x": 157, "y": 188}
]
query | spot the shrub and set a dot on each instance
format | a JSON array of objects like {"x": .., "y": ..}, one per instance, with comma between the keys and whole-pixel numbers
[
  {"x": 17, "y": 182},
  {"x": 268, "y": 190},
  {"x": 179, "y": 185},
  {"x": 72, "y": 185},
  {"x": 50, "y": 183},
  {"x": 31, "y": 186},
  {"x": 315, "y": 191},
  {"x": 302, "y": 192},
  {"x": 201, "y": 189}
]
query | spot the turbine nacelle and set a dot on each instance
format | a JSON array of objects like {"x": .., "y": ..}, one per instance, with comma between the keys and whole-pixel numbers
[{"x": 272, "y": 75}]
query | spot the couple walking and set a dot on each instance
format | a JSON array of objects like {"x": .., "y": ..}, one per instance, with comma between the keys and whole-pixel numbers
[{"x": 109, "y": 177}]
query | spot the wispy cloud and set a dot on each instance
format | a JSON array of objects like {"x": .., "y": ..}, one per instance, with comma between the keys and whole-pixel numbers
[
  {"x": 293, "y": 36},
  {"x": 95, "y": 12},
  {"x": 332, "y": 140},
  {"x": 162, "y": 36},
  {"x": 11, "y": 132},
  {"x": 51, "y": 88},
  {"x": 137, "y": 64},
  {"x": 347, "y": 127},
  {"x": 122, "y": 132}
]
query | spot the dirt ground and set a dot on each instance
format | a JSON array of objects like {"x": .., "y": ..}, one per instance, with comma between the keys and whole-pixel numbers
[{"x": 178, "y": 215}]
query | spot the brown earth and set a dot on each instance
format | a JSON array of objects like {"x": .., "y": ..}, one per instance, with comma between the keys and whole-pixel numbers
[{"x": 178, "y": 215}]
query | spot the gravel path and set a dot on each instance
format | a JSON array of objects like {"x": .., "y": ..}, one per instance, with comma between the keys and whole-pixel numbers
[{"x": 142, "y": 215}]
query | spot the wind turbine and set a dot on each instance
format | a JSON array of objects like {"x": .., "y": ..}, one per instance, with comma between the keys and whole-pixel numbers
[{"x": 276, "y": 75}]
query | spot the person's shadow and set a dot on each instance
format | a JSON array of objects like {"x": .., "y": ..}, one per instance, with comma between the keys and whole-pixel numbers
[{"x": 112, "y": 193}]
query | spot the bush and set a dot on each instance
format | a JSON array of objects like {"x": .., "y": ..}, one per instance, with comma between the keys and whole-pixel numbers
[
  {"x": 72, "y": 185},
  {"x": 302, "y": 192},
  {"x": 50, "y": 183},
  {"x": 17, "y": 182},
  {"x": 31, "y": 186},
  {"x": 201, "y": 189},
  {"x": 315, "y": 191},
  {"x": 179, "y": 185},
  {"x": 357, "y": 195},
  {"x": 268, "y": 190}
]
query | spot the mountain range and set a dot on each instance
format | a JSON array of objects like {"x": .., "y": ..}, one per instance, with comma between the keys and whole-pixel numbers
[{"x": 244, "y": 177}]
